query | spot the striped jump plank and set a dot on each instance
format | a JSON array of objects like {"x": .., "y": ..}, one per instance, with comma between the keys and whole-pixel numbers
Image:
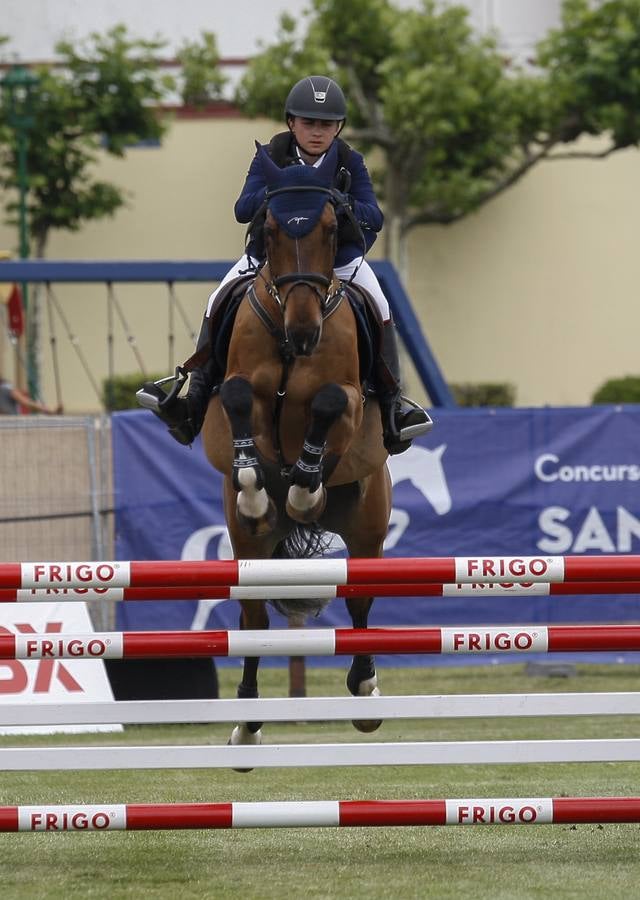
[
  {"x": 313, "y": 591},
  {"x": 250, "y": 572},
  {"x": 518, "y": 639},
  {"x": 319, "y": 814}
]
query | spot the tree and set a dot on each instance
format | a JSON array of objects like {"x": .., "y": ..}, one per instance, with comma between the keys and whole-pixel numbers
[
  {"x": 202, "y": 81},
  {"x": 103, "y": 96},
  {"x": 453, "y": 122}
]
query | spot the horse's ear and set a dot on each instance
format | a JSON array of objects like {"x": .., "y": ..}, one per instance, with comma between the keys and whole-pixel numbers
[{"x": 272, "y": 173}]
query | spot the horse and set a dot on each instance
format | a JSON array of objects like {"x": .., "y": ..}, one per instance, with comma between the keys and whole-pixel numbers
[{"x": 291, "y": 430}]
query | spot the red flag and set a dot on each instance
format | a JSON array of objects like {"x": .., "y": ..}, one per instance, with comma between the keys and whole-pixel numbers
[{"x": 16, "y": 312}]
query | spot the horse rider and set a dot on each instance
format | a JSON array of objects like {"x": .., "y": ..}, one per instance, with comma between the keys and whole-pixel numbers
[{"x": 315, "y": 113}]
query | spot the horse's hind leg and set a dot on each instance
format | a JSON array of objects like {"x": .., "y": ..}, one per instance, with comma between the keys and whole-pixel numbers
[
  {"x": 307, "y": 496},
  {"x": 253, "y": 615},
  {"x": 362, "y": 679},
  {"x": 364, "y": 537}
]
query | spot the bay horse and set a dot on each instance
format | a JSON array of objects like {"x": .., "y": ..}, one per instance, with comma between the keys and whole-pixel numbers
[{"x": 300, "y": 450}]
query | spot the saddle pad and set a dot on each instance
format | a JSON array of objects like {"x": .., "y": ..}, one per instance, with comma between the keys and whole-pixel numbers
[
  {"x": 223, "y": 316},
  {"x": 368, "y": 327}
]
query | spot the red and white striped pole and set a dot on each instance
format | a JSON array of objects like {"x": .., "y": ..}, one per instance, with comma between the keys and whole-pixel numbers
[
  {"x": 252, "y": 572},
  {"x": 322, "y": 642},
  {"x": 319, "y": 813},
  {"x": 324, "y": 591}
]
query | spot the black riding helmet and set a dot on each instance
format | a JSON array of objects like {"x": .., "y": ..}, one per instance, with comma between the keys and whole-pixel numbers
[{"x": 316, "y": 97}]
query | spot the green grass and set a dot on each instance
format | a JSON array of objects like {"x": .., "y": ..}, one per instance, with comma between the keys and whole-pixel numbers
[{"x": 587, "y": 861}]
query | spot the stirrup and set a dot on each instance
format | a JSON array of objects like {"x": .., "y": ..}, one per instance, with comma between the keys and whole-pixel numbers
[
  {"x": 417, "y": 428},
  {"x": 152, "y": 396}
]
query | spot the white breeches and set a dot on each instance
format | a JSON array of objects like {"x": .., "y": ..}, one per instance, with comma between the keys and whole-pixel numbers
[
  {"x": 234, "y": 272},
  {"x": 365, "y": 278}
]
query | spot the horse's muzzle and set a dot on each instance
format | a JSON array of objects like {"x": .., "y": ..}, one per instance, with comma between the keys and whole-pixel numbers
[{"x": 303, "y": 341}]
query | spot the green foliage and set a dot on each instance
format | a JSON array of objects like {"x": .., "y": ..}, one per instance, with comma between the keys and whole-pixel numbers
[
  {"x": 593, "y": 68},
  {"x": 119, "y": 392},
  {"x": 201, "y": 79},
  {"x": 456, "y": 122},
  {"x": 360, "y": 34},
  {"x": 619, "y": 390},
  {"x": 102, "y": 96},
  {"x": 270, "y": 75},
  {"x": 484, "y": 394}
]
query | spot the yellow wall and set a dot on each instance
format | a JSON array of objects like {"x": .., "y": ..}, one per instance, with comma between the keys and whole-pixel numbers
[{"x": 539, "y": 288}]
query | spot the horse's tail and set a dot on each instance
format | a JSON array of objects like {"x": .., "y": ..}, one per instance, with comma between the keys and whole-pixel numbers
[{"x": 304, "y": 542}]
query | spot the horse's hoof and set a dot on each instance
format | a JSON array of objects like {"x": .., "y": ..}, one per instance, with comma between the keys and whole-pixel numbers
[
  {"x": 366, "y": 726},
  {"x": 307, "y": 514},
  {"x": 368, "y": 688},
  {"x": 261, "y": 525},
  {"x": 242, "y": 736}
]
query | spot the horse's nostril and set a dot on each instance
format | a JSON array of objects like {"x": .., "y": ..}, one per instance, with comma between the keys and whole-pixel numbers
[{"x": 304, "y": 341}]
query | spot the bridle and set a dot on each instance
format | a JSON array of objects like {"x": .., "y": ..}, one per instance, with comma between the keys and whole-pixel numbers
[
  {"x": 320, "y": 285},
  {"x": 329, "y": 300}
]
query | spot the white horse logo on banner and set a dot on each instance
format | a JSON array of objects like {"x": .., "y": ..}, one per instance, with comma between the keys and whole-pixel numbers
[{"x": 423, "y": 468}]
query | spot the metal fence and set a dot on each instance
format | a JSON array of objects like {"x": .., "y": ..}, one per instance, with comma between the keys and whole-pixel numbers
[
  {"x": 56, "y": 492},
  {"x": 153, "y": 272}
]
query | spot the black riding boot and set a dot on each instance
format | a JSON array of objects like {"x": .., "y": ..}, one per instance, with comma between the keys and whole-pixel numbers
[
  {"x": 185, "y": 415},
  {"x": 402, "y": 419}
]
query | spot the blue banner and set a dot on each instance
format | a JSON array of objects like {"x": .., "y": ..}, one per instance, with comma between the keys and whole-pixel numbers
[{"x": 483, "y": 483}]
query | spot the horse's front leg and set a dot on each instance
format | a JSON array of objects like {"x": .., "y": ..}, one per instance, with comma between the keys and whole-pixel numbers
[
  {"x": 253, "y": 616},
  {"x": 307, "y": 495},
  {"x": 362, "y": 680},
  {"x": 255, "y": 510}
]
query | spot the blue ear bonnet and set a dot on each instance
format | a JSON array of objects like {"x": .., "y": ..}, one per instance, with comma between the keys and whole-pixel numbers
[{"x": 297, "y": 212}]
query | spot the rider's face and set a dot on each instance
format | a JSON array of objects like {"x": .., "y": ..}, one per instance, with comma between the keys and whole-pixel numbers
[{"x": 314, "y": 136}]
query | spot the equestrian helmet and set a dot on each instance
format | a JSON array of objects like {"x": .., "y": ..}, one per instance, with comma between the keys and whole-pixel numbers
[{"x": 316, "y": 97}]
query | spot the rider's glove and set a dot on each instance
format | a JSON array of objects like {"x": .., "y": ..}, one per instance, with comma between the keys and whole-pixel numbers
[{"x": 341, "y": 200}]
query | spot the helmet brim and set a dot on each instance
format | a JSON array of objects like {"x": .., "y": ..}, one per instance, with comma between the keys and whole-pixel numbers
[{"x": 325, "y": 117}]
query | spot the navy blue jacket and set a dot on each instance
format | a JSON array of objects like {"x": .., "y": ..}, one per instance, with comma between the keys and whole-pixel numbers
[{"x": 364, "y": 204}]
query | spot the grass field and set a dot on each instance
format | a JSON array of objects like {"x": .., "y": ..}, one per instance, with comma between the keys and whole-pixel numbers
[{"x": 586, "y": 861}]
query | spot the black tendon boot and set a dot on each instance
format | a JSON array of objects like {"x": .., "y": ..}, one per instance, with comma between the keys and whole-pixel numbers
[
  {"x": 402, "y": 419},
  {"x": 185, "y": 415}
]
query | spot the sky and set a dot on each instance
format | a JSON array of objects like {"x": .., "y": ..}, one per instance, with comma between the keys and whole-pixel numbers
[{"x": 36, "y": 25}]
